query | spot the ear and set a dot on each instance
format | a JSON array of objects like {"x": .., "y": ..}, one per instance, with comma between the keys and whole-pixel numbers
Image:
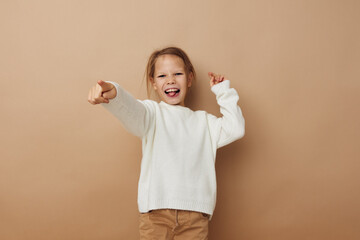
[
  {"x": 190, "y": 79},
  {"x": 153, "y": 83}
]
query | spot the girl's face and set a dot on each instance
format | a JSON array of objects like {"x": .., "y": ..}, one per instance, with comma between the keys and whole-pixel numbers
[{"x": 170, "y": 81}]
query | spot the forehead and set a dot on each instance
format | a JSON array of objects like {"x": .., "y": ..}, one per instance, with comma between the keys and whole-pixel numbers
[{"x": 168, "y": 61}]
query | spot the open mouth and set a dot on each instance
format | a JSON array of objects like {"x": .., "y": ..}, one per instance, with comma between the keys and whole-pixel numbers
[{"x": 172, "y": 92}]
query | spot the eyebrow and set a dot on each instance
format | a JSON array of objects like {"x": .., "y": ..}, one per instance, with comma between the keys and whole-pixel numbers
[{"x": 174, "y": 71}]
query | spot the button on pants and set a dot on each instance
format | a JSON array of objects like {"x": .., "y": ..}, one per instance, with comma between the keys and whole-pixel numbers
[{"x": 167, "y": 224}]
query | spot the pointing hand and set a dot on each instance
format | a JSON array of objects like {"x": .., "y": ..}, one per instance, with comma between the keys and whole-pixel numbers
[{"x": 101, "y": 93}]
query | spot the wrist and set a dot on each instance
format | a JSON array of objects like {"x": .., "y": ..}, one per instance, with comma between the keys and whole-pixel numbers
[{"x": 220, "y": 87}]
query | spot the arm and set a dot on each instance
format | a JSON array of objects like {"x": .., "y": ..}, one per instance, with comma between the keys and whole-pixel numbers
[
  {"x": 231, "y": 126},
  {"x": 131, "y": 112}
]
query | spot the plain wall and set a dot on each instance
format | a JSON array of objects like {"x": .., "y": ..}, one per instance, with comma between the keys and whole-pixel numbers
[{"x": 69, "y": 170}]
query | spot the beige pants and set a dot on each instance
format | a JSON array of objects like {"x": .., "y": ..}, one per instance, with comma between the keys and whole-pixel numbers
[{"x": 166, "y": 224}]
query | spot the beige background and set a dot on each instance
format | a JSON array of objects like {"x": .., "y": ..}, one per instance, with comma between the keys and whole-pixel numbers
[{"x": 68, "y": 169}]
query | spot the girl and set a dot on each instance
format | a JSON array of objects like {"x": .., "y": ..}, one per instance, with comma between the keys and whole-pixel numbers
[{"x": 177, "y": 184}]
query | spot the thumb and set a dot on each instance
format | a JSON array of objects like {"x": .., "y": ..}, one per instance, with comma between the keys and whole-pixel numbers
[{"x": 105, "y": 86}]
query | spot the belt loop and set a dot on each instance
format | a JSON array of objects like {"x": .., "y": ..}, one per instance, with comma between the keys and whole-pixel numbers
[{"x": 176, "y": 219}]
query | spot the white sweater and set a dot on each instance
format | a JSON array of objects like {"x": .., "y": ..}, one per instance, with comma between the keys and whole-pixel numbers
[{"x": 179, "y": 147}]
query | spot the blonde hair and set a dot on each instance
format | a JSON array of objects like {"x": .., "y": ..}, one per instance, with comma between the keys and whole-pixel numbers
[{"x": 150, "y": 68}]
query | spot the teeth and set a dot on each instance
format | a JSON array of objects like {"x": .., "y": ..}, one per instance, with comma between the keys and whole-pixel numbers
[{"x": 171, "y": 90}]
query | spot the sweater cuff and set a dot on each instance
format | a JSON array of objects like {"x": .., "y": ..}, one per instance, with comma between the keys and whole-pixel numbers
[
  {"x": 116, "y": 100},
  {"x": 221, "y": 87}
]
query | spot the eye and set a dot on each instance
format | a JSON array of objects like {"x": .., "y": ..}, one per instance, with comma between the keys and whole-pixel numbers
[
  {"x": 179, "y": 73},
  {"x": 161, "y": 76}
]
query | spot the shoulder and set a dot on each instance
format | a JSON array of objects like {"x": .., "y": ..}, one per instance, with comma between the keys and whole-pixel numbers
[
  {"x": 200, "y": 112},
  {"x": 149, "y": 103},
  {"x": 205, "y": 116}
]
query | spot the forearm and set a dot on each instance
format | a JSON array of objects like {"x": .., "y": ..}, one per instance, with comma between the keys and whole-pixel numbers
[
  {"x": 130, "y": 111},
  {"x": 232, "y": 123}
]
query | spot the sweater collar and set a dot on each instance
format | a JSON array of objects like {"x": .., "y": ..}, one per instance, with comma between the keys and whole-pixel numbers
[{"x": 174, "y": 106}]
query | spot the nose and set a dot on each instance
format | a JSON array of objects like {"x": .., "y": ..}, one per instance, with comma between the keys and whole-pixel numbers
[{"x": 171, "y": 80}]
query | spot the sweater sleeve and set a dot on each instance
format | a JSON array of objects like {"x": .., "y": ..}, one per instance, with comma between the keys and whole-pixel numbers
[
  {"x": 231, "y": 126},
  {"x": 133, "y": 113}
]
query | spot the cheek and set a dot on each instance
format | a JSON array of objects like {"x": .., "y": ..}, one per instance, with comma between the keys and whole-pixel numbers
[
  {"x": 156, "y": 85},
  {"x": 159, "y": 89}
]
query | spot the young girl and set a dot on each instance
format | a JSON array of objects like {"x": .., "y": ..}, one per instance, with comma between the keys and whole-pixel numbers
[{"x": 177, "y": 185}]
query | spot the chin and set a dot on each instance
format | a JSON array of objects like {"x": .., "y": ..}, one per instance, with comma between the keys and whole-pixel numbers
[{"x": 173, "y": 102}]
